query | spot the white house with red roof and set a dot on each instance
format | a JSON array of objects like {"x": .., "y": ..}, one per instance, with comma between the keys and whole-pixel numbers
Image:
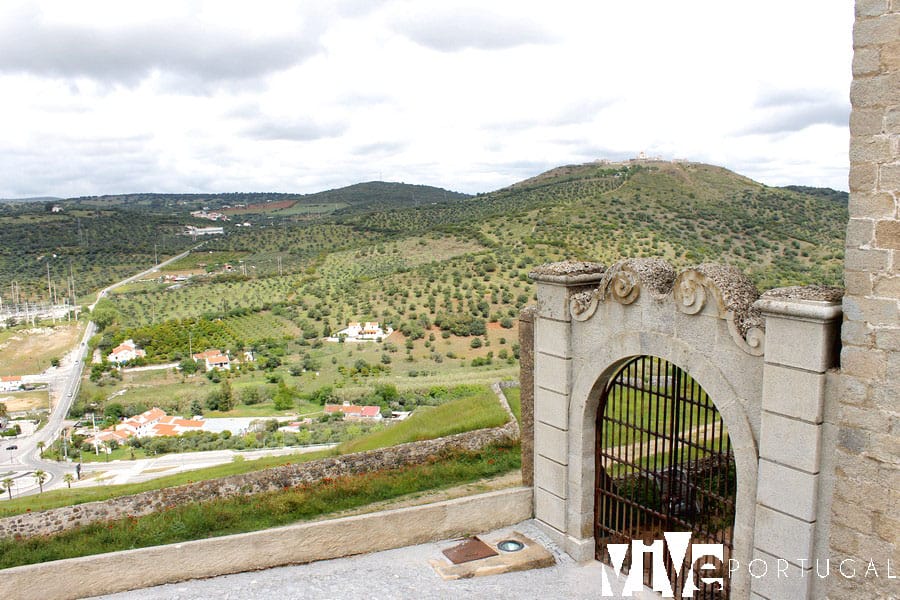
[
  {"x": 353, "y": 412},
  {"x": 152, "y": 423},
  {"x": 10, "y": 383},
  {"x": 124, "y": 352},
  {"x": 214, "y": 359}
]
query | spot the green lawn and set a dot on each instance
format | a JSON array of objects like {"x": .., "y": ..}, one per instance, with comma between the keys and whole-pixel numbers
[
  {"x": 514, "y": 398},
  {"x": 68, "y": 497},
  {"x": 478, "y": 411},
  {"x": 260, "y": 511}
]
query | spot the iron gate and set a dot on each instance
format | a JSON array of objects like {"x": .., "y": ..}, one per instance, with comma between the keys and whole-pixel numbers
[{"x": 664, "y": 463}]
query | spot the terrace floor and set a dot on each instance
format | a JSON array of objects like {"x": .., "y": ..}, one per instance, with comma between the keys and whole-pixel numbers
[{"x": 400, "y": 573}]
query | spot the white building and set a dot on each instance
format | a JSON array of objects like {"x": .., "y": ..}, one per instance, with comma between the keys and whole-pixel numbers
[
  {"x": 214, "y": 359},
  {"x": 362, "y": 332},
  {"x": 10, "y": 383},
  {"x": 124, "y": 352},
  {"x": 195, "y": 231}
]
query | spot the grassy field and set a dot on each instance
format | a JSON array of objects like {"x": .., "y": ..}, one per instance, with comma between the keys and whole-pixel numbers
[
  {"x": 311, "y": 209},
  {"x": 260, "y": 511},
  {"x": 29, "y": 351},
  {"x": 514, "y": 399},
  {"x": 80, "y": 495},
  {"x": 426, "y": 364}
]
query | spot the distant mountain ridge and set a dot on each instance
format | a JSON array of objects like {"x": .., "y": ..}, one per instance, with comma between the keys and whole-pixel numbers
[
  {"x": 366, "y": 193},
  {"x": 32, "y": 199},
  {"x": 684, "y": 212}
]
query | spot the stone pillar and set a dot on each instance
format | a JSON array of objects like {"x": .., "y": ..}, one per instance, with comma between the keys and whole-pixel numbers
[
  {"x": 556, "y": 283},
  {"x": 526, "y": 392},
  {"x": 865, "y": 522},
  {"x": 801, "y": 345}
]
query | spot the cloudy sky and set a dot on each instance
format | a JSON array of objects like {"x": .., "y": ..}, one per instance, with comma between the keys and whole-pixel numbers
[{"x": 102, "y": 97}]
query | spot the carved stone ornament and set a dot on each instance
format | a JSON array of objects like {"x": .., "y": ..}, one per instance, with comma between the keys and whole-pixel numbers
[
  {"x": 624, "y": 286},
  {"x": 583, "y": 305},
  {"x": 690, "y": 292},
  {"x": 732, "y": 293}
]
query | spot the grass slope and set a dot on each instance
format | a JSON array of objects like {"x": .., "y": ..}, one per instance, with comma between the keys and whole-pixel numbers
[
  {"x": 202, "y": 520},
  {"x": 465, "y": 414}
]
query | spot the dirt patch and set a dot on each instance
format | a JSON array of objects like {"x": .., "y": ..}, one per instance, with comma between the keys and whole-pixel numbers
[
  {"x": 29, "y": 351},
  {"x": 24, "y": 401}
]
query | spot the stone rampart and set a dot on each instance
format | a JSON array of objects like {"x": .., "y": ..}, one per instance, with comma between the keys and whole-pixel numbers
[{"x": 277, "y": 478}]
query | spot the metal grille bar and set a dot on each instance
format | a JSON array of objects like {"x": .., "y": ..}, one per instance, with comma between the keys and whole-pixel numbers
[{"x": 663, "y": 463}]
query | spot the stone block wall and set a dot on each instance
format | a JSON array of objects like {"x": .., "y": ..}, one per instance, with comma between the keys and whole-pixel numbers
[
  {"x": 526, "y": 380},
  {"x": 865, "y": 521},
  {"x": 277, "y": 478}
]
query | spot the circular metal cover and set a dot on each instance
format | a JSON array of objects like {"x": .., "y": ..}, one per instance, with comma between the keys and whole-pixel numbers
[{"x": 510, "y": 546}]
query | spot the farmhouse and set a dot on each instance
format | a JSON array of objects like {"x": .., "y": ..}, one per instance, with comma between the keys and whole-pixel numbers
[
  {"x": 125, "y": 352},
  {"x": 353, "y": 412},
  {"x": 358, "y": 332},
  {"x": 10, "y": 383},
  {"x": 214, "y": 359}
]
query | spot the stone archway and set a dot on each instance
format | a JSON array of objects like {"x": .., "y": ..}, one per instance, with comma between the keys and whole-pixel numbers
[
  {"x": 747, "y": 354},
  {"x": 588, "y": 388}
]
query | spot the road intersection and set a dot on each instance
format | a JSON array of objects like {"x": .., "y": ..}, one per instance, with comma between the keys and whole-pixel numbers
[{"x": 22, "y": 454}]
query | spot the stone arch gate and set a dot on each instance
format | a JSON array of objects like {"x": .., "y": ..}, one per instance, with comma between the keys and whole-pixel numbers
[{"x": 763, "y": 361}]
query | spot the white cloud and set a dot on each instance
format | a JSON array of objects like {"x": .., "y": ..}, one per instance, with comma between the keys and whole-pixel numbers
[{"x": 112, "y": 97}]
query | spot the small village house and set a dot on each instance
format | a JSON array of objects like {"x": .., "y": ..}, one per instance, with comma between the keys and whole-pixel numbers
[
  {"x": 368, "y": 331},
  {"x": 125, "y": 352},
  {"x": 214, "y": 359},
  {"x": 353, "y": 412}
]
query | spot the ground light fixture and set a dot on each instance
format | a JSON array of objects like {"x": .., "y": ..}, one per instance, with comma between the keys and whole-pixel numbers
[{"x": 510, "y": 546}]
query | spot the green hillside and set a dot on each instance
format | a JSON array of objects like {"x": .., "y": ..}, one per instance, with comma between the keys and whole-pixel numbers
[{"x": 449, "y": 276}]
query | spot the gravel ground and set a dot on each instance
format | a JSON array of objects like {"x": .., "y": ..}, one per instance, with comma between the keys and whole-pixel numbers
[{"x": 400, "y": 573}]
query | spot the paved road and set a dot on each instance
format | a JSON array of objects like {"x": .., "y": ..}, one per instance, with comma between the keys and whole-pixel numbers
[
  {"x": 64, "y": 385},
  {"x": 135, "y": 471}
]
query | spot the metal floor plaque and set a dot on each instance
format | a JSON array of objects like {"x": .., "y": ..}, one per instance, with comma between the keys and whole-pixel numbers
[{"x": 471, "y": 549}]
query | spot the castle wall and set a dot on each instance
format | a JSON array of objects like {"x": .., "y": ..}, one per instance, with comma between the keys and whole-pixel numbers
[{"x": 865, "y": 507}]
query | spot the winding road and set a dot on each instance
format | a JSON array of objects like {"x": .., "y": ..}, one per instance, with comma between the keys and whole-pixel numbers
[{"x": 21, "y": 462}]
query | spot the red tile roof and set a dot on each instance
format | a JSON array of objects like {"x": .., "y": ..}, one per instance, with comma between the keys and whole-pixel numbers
[
  {"x": 353, "y": 410},
  {"x": 166, "y": 430}
]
